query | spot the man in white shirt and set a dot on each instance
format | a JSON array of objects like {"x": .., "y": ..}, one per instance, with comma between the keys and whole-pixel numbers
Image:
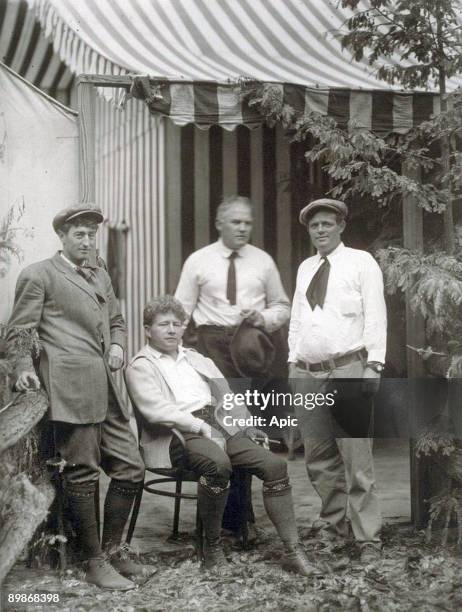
[
  {"x": 225, "y": 282},
  {"x": 338, "y": 331},
  {"x": 229, "y": 280},
  {"x": 172, "y": 386}
]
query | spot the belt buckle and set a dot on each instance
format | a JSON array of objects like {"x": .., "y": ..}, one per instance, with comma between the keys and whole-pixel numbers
[{"x": 328, "y": 365}]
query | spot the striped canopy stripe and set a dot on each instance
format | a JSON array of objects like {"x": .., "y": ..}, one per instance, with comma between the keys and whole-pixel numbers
[
  {"x": 24, "y": 48},
  {"x": 206, "y": 104}
]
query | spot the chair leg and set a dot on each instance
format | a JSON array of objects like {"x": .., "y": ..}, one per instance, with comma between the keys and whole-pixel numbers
[
  {"x": 134, "y": 516},
  {"x": 199, "y": 536},
  {"x": 176, "y": 513},
  {"x": 97, "y": 511}
]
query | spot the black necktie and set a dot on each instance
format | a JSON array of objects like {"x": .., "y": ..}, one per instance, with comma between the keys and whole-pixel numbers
[
  {"x": 86, "y": 272},
  {"x": 316, "y": 292},
  {"x": 231, "y": 288}
]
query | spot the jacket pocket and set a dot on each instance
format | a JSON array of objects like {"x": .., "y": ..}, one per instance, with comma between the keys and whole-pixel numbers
[{"x": 78, "y": 388}]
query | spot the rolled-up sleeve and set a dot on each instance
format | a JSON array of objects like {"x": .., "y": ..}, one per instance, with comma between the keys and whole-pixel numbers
[
  {"x": 375, "y": 310},
  {"x": 277, "y": 311}
]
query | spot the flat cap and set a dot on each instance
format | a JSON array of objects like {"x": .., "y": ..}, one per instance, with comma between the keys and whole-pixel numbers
[
  {"x": 310, "y": 209},
  {"x": 89, "y": 210}
]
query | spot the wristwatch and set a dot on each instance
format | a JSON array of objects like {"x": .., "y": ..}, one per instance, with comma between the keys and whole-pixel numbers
[{"x": 377, "y": 366}]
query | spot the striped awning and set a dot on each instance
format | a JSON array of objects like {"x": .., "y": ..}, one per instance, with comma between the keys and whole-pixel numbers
[
  {"x": 206, "y": 104},
  {"x": 24, "y": 48},
  {"x": 203, "y": 48}
]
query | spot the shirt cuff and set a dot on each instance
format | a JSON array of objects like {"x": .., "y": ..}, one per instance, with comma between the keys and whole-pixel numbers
[{"x": 376, "y": 355}]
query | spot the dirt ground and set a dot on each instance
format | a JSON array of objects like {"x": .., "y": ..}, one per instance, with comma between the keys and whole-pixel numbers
[{"x": 254, "y": 575}]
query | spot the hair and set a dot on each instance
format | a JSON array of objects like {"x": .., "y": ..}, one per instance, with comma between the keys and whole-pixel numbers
[
  {"x": 229, "y": 201},
  {"x": 85, "y": 220},
  {"x": 162, "y": 305}
]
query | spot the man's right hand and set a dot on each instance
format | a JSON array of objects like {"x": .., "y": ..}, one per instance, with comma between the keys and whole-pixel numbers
[
  {"x": 27, "y": 380},
  {"x": 206, "y": 431}
]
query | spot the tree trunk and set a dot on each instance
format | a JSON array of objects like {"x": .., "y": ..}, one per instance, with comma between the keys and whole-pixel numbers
[{"x": 23, "y": 507}]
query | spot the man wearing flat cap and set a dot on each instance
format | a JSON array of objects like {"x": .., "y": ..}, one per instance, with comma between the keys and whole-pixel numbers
[
  {"x": 337, "y": 342},
  {"x": 72, "y": 308}
]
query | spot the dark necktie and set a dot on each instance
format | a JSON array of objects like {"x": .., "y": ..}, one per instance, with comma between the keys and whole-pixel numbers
[
  {"x": 231, "y": 286},
  {"x": 86, "y": 272},
  {"x": 316, "y": 292}
]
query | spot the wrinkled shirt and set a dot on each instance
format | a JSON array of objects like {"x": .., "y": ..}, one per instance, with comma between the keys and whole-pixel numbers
[
  {"x": 190, "y": 390},
  {"x": 203, "y": 282},
  {"x": 354, "y": 313}
]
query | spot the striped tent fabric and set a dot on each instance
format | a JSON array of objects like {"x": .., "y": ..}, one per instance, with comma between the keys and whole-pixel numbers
[
  {"x": 25, "y": 49},
  {"x": 206, "y": 104},
  {"x": 206, "y": 42},
  {"x": 130, "y": 190}
]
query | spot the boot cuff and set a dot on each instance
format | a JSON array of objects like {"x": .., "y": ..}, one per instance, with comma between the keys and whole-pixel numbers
[
  {"x": 276, "y": 487},
  {"x": 212, "y": 489}
]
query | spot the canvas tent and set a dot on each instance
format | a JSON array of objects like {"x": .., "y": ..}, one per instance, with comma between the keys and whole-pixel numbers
[
  {"x": 160, "y": 177},
  {"x": 38, "y": 170}
]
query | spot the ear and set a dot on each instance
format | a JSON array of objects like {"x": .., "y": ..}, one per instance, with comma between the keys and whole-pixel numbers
[
  {"x": 342, "y": 225},
  {"x": 147, "y": 331},
  {"x": 218, "y": 225}
]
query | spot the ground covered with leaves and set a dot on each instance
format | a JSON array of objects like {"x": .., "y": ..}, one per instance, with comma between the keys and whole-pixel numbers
[{"x": 411, "y": 575}]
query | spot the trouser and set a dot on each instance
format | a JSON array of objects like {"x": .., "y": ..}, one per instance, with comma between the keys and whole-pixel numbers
[
  {"x": 85, "y": 448},
  {"x": 338, "y": 451},
  {"x": 213, "y": 466},
  {"x": 214, "y": 342}
]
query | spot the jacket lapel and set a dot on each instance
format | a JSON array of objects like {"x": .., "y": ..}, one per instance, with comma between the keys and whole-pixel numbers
[{"x": 73, "y": 277}]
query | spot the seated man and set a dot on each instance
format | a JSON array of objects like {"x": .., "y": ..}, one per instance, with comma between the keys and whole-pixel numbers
[{"x": 175, "y": 387}]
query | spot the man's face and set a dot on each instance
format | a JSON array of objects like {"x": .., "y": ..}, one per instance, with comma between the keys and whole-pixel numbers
[
  {"x": 235, "y": 226},
  {"x": 165, "y": 333},
  {"x": 325, "y": 231},
  {"x": 78, "y": 242}
]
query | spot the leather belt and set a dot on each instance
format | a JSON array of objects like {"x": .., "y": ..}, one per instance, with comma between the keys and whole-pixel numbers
[
  {"x": 219, "y": 328},
  {"x": 331, "y": 364}
]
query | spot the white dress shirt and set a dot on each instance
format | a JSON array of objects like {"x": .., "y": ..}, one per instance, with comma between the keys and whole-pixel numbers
[
  {"x": 203, "y": 283},
  {"x": 189, "y": 388},
  {"x": 354, "y": 313}
]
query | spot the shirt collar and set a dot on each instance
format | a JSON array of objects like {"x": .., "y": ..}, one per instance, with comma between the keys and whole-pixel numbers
[
  {"x": 333, "y": 254},
  {"x": 71, "y": 263},
  {"x": 158, "y": 355},
  {"x": 226, "y": 252}
]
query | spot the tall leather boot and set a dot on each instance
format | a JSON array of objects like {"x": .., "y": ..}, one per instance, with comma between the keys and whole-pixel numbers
[
  {"x": 277, "y": 499},
  {"x": 211, "y": 502},
  {"x": 82, "y": 514},
  {"x": 117, "y": 508}
]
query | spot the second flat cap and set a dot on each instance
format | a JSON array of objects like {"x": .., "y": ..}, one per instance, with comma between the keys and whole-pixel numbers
[{"x": 310, "y": 209}]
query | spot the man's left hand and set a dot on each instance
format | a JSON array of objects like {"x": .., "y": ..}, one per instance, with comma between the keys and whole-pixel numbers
[
  {"x": 371, "y": 382},
  {"x": 258, "y": 436},
  {"x": 254, "y": 317},
  {"x": 115, "y": 358}
]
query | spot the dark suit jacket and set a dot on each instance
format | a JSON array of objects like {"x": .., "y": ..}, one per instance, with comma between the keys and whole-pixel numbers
[{"x": 76, "y": 321}]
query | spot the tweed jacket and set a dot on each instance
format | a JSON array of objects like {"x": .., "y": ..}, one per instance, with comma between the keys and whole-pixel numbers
[
  {"x": 154, "y": 402},
  {"x": 76, "y": 321}
]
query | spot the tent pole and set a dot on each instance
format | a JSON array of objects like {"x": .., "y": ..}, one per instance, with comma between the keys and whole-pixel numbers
[
  {"x": 415, "y": 336},
  {"x": 86, "y": 102}
]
